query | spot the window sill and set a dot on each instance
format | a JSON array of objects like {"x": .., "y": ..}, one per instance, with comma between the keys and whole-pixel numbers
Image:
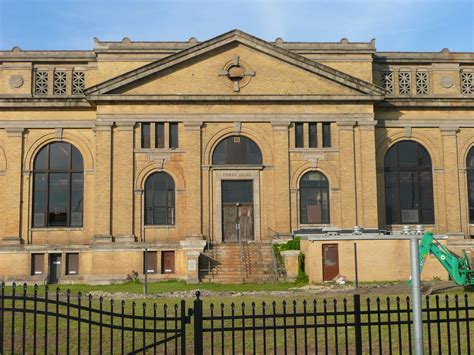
[
  {"x": 159, "y": 226},
  {"x": 318, "y": 149},
  {"x": 49, "y": 229},
  {"x": 155, "y": 150},
  {"x": 308, "y": 226}
]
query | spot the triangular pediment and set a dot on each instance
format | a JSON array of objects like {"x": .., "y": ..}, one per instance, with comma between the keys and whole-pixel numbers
[{"x": 235, "y": 64}]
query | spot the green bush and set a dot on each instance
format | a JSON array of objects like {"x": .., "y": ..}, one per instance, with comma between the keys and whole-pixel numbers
[{"x": 302, "y": 276}]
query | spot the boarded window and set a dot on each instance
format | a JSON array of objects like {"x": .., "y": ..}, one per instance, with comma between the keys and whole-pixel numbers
[
  {"x": 326, "y": 135},
  {"x": 159, "y": 135},
  {"x": 313, "y": 137},
  {"x": 145, "y": 135},
  {"x": 150, "y": 262},
  {"x": 72, "y": 264},
  {"x": 37, "y": 264},
  {"x": 173, "y": 135},
  {"x": 299, "y": 140},
  {"x": 167, "y": 262}
]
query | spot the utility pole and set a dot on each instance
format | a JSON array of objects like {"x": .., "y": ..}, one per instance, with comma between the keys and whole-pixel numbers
[{"x": 416, "y": 295}]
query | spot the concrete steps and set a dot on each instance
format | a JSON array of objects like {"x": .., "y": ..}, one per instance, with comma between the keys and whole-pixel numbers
[{"x": 234, "y": 263}]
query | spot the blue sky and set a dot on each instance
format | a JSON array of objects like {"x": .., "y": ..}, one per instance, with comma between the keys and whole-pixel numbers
[{"x": 397, "y": 25}]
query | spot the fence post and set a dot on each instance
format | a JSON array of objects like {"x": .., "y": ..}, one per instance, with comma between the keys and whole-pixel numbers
[
  {"x": 357, "y": 324},
  {"x": 183, "y": 327},
  {"x": 198, "y": 334}
]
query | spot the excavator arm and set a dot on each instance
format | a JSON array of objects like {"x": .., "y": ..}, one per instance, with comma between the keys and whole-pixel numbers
[{"x": 458, "y": 267}]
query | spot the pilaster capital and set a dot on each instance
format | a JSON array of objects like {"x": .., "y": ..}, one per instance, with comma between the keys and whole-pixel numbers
[
  {"x": 192, "y": 126},
  {"x": 367, "y": 125},
  {"x": 449, "y": 131},
  {"x": 346, "y": 125},
  {"x": 280, "y": 125},
  {"x": 14, "y": 131},
  {"x": 103, "y": 126},
  {"x": 125, "y": 125}
]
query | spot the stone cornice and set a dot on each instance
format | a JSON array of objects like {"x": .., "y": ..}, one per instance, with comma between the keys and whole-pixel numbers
[
  {"x": 26, "y": 101},
  {"x": 355, "y": 99},
  {"x": 428, "y": 101}
]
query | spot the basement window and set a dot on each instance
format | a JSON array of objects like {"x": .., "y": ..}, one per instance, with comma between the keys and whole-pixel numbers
[
  {"x": 72, "y": 264},
  {"x": 150, "y": 262},
  {"x": 167, "y": 262},
  {"x": 37, "y": 264}
]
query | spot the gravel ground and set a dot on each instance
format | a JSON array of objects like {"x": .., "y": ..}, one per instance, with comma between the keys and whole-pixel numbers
[{"x": 398, "y": 288}]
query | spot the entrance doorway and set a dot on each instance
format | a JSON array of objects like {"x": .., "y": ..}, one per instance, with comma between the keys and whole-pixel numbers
[
  {"x": 330, "y": 262},
  {"x": 237, "y": 211},
  {"x": 54, "y": 268}
]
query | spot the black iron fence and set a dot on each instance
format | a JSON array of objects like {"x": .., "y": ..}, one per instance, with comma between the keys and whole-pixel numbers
[{"x": 44, "y": 322}]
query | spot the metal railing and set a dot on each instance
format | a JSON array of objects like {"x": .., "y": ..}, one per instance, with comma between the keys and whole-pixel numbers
[{"x": 62, "y": 323}]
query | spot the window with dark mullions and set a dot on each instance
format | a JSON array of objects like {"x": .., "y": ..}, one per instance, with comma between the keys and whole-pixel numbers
[
  {"x": 314, "y": 198},
  {"x": 299, "y": 140},
  {"x": 173, "y": 135},
  {"x": 159, "y": 135},
  {"x": 58, "y": 186},
  {"x": 145, "y": 135},
  {"x": 237, "y": 150},
  {"x": 313, "y": 135},
  {"x": 470, "y": 183},
  {"x": 408, "y": 184},
  {"x": 159, "y": 200},
  {"x": 326, "y": 135}
]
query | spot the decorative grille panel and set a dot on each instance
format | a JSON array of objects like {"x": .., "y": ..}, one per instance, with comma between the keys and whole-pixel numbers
[
  {"x": 387, "y": 81},
  {"x": 422, "y": 83},
  {"x": 404, "y": 82},
  {"x": 467, "y": 83},
  {"x": 59, "y": 83},
  {"x": 78, "y": 80},
  {"x": 41, "y": 82}
]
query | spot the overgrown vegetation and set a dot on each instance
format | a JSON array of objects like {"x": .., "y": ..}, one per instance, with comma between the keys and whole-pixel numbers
[{"x": 294, "y": 244}]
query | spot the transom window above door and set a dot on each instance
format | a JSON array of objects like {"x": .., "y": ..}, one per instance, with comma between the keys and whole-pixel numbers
[{"x": 237, "y": 150}]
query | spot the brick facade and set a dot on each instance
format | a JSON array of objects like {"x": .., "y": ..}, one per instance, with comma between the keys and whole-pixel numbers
[{"x": 128, "y": 83}]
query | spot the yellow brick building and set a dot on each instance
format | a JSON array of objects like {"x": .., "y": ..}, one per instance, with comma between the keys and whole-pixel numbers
[{"x": 172, "y": 146}]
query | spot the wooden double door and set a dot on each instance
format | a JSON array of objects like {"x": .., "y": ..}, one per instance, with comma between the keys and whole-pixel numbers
[{"x": 237, "y": 211}]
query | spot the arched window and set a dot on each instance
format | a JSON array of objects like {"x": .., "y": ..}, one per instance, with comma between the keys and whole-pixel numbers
[
  {"x": 58, "y": 186},
  {"x": 237, "y": 150},
  {"x": 314, "y": 198},
  {"x": 408, "y": 184},
  {"x": 470, "y": 183},
  {"x": 159, "y": 200}
]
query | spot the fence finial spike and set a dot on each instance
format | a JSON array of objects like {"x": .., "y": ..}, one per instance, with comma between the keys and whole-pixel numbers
[{"x": 198, "y": 294}]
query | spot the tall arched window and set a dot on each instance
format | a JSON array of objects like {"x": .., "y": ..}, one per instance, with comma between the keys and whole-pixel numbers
[
  {"x": 408, "y": 184},
  {"x": 237, "y": 150},
  {"x": 159, "y": 200},
  {"x": 58, "y": 186},
  {"x": 314, "y": 198},
  {"x": 470, "y": 183}
]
